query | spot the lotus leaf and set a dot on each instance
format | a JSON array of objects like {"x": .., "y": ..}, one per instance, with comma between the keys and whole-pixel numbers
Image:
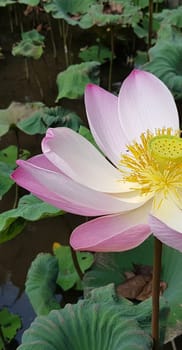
[
  {"x": 172, "y": 17},
  {"x": 4, "y": 3},
  {"x": 41, "y": 283},
  {"x": 70, "y": 11},
  {"x": 71, "y": 82},
  {"x": 8, "y": 158},
  {"x": 31, "y": 45},
  {"x": 16, "y": 112},
  {"x": 30, "y": 208},
  {"x": 29, "y": 2},
  {"x": 165, "y": 63},
  {"x": 68, "y": 276},
  {"x": 9, "y": 324},
  {"x": 46, "y": 117},
  {"x": 100, "y": 15},
  {"x": 110, "y": 268},
  {"x": 98, "y": 53},
  {"x": 99, "y": 322}
]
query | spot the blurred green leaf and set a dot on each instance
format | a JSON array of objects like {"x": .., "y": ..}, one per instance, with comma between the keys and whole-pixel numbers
[
  {"x": 4, "y": 3},
  {"x": 31, "y": 45},
  {"x": 31, "y": 3},
  {"x": 141, "y": 58},
  {"x": 9, "y": 324},
  {"x": 70, "y": 11},
  {"x": 15, "y": 112},
  {"x": 8, "y": 158},
  {"x": 30, "y": 208},
  {"x": 68, "y": 276},
  {"x": 172, "y": 17},
  {"x": 46, "y": 117},
  {"x": 122, "y": 13},
  {"x": 41, "y": 283},
  {"x": 165, "y": 63},
  {"x": 71, "y": 82},
  {"x": 98, "y": 53}
]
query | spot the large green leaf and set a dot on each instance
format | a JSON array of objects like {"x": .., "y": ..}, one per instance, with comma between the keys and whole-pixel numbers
[
  {"x": 172, "y": 17},
  {"x": 46, "y": 117},
  {"x": 16, "y": 112},
  {"x": 165, "y": 63},
  {"x": 30, "y": 208},
  {"x": 110, "y": 268},
  {"x": 71, "y": 82},
  {"x": 68, "y": 276},
  {"x": 9, "y": 324},
  {"x": 31, "y": 45},
  {"x": 41, "y": 283},
  {"x": 99, "y": 14},
  {"x": 68, "y": 10},
  {"x": 100, "y": 322}
]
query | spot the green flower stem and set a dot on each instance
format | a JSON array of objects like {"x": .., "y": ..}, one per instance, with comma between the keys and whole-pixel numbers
[
  {"x": 156, "y": 292},
  {"x": 76, "y": 263}
]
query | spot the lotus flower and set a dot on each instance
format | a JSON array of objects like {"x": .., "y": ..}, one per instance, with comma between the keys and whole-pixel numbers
[{"x": 135, "y": 189}]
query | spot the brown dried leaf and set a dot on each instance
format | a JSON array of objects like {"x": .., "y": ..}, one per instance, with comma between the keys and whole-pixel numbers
[
  {"x": 146, "y": 292},
  {"x": 132, "y": 287},
  {"x": 142, "y": 269},
  {"x": 138, "y": 284}
]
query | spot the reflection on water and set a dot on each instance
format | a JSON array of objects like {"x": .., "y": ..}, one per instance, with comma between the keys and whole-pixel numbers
[{"x": 18, "y": 304}]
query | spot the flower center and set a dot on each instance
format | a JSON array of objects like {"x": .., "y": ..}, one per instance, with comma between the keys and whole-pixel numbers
[
  {"x": 154, "y": 165},
  {"x": 166, "y": 147}
]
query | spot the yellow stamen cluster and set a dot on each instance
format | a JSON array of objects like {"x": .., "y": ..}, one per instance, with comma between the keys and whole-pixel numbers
[{"x": 154, "y": 165}]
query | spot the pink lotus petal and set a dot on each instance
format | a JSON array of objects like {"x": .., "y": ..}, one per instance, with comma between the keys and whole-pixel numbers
[
  {"x": 112, "y": 233},
  {"x": 102, "y": 114},
  {"x": 165, "y": 234},
  {"x": 81, "y": 161},
  {"x": 49, "y": 184},
  {"x": 145, "y": 103},
  {"x": 168, "y": 212}
]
